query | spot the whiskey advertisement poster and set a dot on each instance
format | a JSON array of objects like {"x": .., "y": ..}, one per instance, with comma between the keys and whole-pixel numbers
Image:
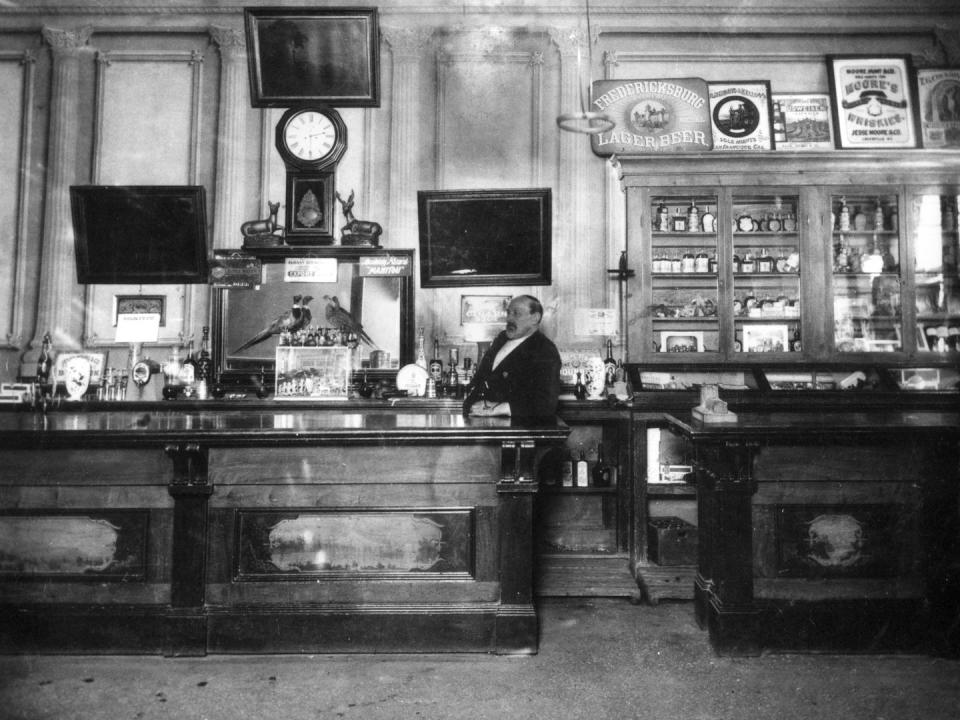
[
  {"x": 804, "y": 121},
  {"x": 939, "y": 90},
  {"x": 652, "y": 116},
  {"x": 872, "y": 102},
  {"x": 741, "y": 114}
]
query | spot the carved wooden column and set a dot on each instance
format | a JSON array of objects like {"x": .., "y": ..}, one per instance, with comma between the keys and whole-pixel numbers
[
  {"x": 406, "y": 45},
  {"x": 228, "y": 210},
  {"x": 60, "y": 301}
]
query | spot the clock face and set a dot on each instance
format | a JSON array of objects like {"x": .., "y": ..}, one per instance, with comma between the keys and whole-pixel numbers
[
  {"x": 309, "y": 135},
  {"x": 311, "y": 138}
]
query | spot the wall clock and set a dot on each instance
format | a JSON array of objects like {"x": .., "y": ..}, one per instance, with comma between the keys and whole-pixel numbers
[{"x": 311, "y": 141}]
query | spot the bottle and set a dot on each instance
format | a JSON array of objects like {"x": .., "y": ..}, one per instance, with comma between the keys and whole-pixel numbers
[
  {"x": 421, "y": 351},
  {"x": 676, "y": 263},
  {"x": 663, "y": 218},
  {"x": 735, "y": 263},
  {"x": 601, "y": 471},
  {"x": 204, "y": 366},
  {"x": 844, "y": 215},
  {"x": 436, "y": 365},
  {"x": 44, "y": 361},
  {"x": 262, "y": 390},
  {"x": 579, "y": 389},
  {"x": 465, "y": 376},
  {"x": 581, "y": 471},
  {"x": 188, "y": 372},
  {"x": 713, "y": 264},
  {"x": 708, "y": 222},
  {"x": 765, "y": 262},
  {"x": 693, "y": 217},
  {"x": 452, "y": 386},
  {"x": 610, "y": 365},
  {"x": 688, "y": 263},
  {"x": 749, "y": 264},
  {"x": 679, "y": 221},
  {"x": 701, "y": 263},
  {"x": 566, "y": 471},
  {"x": 878, "y": 217}
]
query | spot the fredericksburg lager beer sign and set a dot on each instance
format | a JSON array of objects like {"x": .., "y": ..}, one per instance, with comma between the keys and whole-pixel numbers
[{"x": 653, "y": 116}]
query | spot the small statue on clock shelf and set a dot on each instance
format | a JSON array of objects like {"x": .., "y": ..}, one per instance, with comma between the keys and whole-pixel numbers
[
  {"x": 357, "y": 232},
  {"x": 263, "y": 233}
]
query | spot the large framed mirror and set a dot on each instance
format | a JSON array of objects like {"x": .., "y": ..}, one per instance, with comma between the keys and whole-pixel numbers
[{"x": 371, "y": 287}]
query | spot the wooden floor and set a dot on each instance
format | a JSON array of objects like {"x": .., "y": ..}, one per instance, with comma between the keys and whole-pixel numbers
[
  {"x": 587, "y": 575},
  {"x": 591, "y": 575}
]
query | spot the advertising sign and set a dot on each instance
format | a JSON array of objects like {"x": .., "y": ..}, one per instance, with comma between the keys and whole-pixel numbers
[{"x": 652, "y": 116}]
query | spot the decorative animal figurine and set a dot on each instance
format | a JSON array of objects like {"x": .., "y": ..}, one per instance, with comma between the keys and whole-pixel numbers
[
  {"x": 267, "y": 226},
  {"x": 357, "y": 232},
  {"x": 296, "y": 318}
]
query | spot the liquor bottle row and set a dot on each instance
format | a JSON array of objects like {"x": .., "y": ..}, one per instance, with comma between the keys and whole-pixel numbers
[
  {"x": 848, "y": 258},
  {"x": 580, "y": 472},
  {"x": 311, "y": 336},
  {"x": 190, "y": 376},
  {"x": 691, "y": 220},
  {"x": 864, "y": 217},
  {"x": 450, "y": 381},
  {"x": 693, "y": 262}
]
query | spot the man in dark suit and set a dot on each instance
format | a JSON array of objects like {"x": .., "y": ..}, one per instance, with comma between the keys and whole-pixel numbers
[{"x": 520, "y": 374}]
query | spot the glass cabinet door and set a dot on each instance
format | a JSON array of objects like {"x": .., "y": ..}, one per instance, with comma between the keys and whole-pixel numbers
[
  {"x": 936, "y": 279},
  {"x": 684, "y": 274},
  {"x": 765, "y": 265},
  {"x": 867, "y": 312}
]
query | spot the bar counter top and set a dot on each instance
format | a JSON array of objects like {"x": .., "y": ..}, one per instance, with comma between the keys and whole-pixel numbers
[{"x": 275, "y": 425}]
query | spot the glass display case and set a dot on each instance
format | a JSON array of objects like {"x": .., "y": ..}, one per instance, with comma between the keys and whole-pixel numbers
[
  {"x": 684, "y": 272},
  {"x": 936, "y": 245},
  {"x": 866, "y": 273},
  {"x": 765, "y": 273},
  {"x": 765, "y": 266}
]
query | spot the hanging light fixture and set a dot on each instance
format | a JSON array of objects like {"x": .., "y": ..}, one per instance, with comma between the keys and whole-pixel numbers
[{"x": 587, "y": 122}]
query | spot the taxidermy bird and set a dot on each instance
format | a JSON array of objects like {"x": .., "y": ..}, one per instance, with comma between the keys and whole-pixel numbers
[
  {"x": 296, "y": 318},
  {"x": 339, "y": 318}
]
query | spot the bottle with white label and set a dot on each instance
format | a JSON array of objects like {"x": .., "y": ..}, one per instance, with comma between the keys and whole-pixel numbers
[{"x": 582, "y": 471}]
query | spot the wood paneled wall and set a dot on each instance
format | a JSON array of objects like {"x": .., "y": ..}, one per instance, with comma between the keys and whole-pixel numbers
[{"x": 109, "y": 91}]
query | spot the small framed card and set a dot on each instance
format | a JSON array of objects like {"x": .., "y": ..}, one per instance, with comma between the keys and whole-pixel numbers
[
  {"x": 741, "y": 115},
  {"x": 873, "y": 101},
  {"x": 939, "y": 103},
  {"x": 801, "y": 121}
]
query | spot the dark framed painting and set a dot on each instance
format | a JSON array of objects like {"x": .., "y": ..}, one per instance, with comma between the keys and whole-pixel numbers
[
  {"x": 329, "y": 56},
  {"x": 742, "y": 115},
  {"x": 873, "y": 101},
  {"x": 485, "y": 237}
]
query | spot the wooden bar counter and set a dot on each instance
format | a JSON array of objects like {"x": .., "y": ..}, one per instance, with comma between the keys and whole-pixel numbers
[
  {"x": 835, "y": 531},
  {"x": 278, "y": 529}
]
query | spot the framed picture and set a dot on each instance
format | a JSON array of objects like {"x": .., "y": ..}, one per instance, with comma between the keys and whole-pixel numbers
[
  {"x": 766, "y": 338},
  {"x": 301, "y": 55},
  {"x": 741, "y": 115},
  {"x": 872, "y": 101},
  {"x": 802, "y": 121},
  {"x": 486, "y": 309},
  {"x": 938, "y": 92},
  {"x": 129, "y": 304},
  {"x": 484, "y": 237},
  {"x": 681, "y": 341}
]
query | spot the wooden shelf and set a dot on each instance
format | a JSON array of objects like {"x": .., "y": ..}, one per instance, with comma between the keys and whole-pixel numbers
[{"x": 671, "y": 490}]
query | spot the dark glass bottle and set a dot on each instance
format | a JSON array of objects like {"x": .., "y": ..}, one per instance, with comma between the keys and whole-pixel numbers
[
  {"x": 610, "y": 365},
  {"x": 204, "y": 365},
  {"x": 601, "y": 471},
  {"x": 436, "y": 366},
  {"x": 44, "y": 361},
  {"x": 580, "y": 390}
]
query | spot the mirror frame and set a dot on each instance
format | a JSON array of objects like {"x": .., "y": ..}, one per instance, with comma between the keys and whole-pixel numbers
[{"x": 242, "y": 377}]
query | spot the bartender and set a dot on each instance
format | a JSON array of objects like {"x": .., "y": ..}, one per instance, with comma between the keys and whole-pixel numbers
[{"x": 519, "y": 375}]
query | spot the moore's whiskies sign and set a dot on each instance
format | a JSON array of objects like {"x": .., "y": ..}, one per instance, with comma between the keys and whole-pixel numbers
[{"x": 652, "y": 116}]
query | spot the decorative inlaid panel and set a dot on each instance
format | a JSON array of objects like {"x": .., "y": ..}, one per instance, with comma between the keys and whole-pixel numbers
[
  {"x": 355, "y": 543},
  {"x": 95, "y": 546}
]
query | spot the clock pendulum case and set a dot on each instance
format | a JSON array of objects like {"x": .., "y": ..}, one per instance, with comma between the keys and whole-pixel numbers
[{"x": 311, "y": 141}]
